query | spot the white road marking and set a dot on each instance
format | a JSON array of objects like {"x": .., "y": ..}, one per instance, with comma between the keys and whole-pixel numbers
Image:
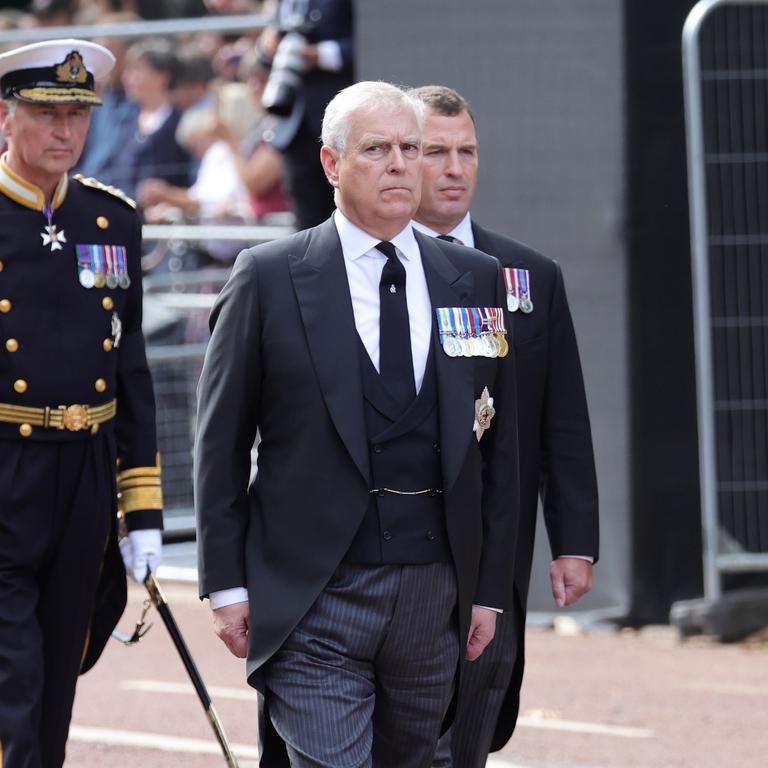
[
  {"x": 159, "y": 741},
  {"x": 574, "y": 726},
  {"x": 500, "y": 762},
  {"x": 159, "y": 686}
]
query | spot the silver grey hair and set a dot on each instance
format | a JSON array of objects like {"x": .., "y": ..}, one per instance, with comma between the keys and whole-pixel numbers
[
  {"x": 10, "y": 105},
  {"x": 368, "y": 95}
]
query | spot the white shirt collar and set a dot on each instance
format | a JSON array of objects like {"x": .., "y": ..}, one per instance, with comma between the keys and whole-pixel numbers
[
  {"x": 462, "y": 231},
  {"x": 356, "y": 242}
]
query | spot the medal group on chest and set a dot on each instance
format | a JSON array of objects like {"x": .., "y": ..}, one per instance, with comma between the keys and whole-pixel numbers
[
  {"x": 472, "y": 331},
  {"x": 518, "y": 284}
]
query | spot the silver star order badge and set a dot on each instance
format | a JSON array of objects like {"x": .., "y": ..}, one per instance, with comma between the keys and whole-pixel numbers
[
  {"x": 484, "y": 412},
  {"x": 53, "y": 238}
]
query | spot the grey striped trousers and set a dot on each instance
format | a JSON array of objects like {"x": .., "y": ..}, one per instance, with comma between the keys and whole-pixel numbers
[{"x": 366, "y": 676}]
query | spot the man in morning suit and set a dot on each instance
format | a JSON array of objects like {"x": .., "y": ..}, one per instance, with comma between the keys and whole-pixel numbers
[
  {"x": 365, "y": 557},
  {"x": 77, "y": 413},
  {"x": 556, "y": 458}
]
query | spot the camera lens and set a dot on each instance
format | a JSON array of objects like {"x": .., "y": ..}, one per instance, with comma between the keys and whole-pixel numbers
[{"x": 285, "y": 78}]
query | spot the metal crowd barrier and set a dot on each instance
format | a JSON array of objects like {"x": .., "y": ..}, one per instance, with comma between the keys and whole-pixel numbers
[
  {"x": 163, "y": 27},
  {"x": 176, "y": 308},
  {"x": 725, "y": 57}
]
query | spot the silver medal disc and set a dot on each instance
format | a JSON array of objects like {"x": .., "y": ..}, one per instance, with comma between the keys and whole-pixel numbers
[
  {"x": 513, "y": 303},
  {"x": 527, "y": 306},
  {"x": 87, "y": 278},
  {"x": 451, "y": 346}
]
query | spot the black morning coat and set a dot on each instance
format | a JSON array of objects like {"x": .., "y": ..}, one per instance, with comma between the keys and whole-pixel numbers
[
  {"x": 556, "y": 457},
  {"x": 283, "y": 359}
]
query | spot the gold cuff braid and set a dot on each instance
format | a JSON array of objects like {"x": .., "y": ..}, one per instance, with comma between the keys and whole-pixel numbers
[
  {"x": 139, "y": 488},
  {"x": 145, "y": 472}
]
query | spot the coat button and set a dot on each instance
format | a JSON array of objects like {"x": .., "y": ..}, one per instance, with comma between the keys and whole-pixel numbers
[
  {"x": 94, "y": 429},
  {"x": 107, "y": 345},
  {"x": 5, "y": 305},
  {"x": 377, "y": 449},
  {"x": 2, "y": 266},
  {"x": 25, "y": 430},
  {"x": 436, "y": 447},
  {"x": 12, "y": 345},
  {"x": 102, "y": 222},
  {"x": 386, "y": 535},
  {"x": 100, "y": 385},
  {"x": 430, "y": 536},
  {"x": 107, "y": 303},
  {"x": 20, "y": 386}
]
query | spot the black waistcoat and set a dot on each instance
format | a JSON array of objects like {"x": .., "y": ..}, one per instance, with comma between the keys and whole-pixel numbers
[{"x": 404, "y": 451}]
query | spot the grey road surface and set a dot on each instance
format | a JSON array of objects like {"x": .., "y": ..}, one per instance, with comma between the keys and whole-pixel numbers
[{"x": 598, "y": 699}]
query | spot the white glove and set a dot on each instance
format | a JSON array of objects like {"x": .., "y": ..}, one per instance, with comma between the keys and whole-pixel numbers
[{"x": 141, "y": 549}]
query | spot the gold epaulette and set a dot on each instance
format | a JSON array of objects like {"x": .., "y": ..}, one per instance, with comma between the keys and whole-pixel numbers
[
  {"x": 89, "y": 181},
  {"x": 139, "y": 488}
]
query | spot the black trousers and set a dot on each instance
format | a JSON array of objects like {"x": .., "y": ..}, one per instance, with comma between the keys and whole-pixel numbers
[
  {"x": 309, "y": 193},
  {"x": 57, "y": 502}
]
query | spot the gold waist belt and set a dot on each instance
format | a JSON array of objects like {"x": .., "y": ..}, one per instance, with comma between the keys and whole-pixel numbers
[{"x": 70, "y": 417}]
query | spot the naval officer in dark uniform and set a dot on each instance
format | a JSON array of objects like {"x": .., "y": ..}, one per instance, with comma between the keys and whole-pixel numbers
[{"x": 77, "y": 416}]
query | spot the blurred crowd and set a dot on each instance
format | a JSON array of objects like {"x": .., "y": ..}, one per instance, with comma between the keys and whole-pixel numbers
[{"x": 182, "y": 129}]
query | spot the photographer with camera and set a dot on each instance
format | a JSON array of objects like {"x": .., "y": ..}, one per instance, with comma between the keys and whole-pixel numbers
[{"x": 309, "y": 47}]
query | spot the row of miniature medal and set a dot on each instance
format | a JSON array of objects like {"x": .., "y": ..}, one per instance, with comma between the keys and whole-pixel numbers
[
  {"x": 100, "y": 265},
  {"x": 472, "y": 331},
  {"x": 518, "y": 285}
]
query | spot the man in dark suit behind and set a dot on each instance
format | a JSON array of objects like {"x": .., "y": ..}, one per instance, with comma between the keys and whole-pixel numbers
[
  {"x": 368, "y": 553},
  {"x": 556, "y": 458}
]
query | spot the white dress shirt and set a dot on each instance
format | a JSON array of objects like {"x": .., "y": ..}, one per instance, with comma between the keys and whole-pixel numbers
[
  {"x": 364, "y": 265},
  {"x": 462, "y": 231}
]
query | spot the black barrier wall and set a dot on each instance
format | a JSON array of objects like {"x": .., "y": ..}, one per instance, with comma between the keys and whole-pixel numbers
[{"x": 666, "y": 523}]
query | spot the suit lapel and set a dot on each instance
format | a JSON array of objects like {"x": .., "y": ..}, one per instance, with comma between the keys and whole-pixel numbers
[
  {"x": 322, "y": 290},
  {"x": 455, "y": 385},
  {"x": 484, "y": 242}
]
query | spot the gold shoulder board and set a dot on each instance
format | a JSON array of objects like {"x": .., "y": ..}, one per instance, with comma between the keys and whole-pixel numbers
[{"x": 88, "y": 181}]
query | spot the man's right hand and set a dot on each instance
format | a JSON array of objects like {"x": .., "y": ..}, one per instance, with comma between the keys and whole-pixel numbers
[{"x": 230, "y": 622}]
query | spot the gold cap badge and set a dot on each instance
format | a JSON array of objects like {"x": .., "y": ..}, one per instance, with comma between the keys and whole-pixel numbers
[{"x": 72, "y": 69}]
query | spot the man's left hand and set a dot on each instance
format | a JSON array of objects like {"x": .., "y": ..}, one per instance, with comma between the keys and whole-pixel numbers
[
  {"x": 571, "y": 579},
  {"x": 482, "y": 628}
]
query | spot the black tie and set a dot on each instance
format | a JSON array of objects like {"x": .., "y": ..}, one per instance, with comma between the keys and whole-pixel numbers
[
  {"x": 450, "y": 239},
  {"x": 395, "y": 358}
]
